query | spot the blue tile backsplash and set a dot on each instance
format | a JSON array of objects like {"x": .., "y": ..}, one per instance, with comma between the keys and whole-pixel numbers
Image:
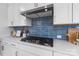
[{"x": 43, "y": 27}]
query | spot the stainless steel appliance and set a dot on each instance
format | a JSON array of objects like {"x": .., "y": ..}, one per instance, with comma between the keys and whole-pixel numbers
[{"x": 39, "y": 12}]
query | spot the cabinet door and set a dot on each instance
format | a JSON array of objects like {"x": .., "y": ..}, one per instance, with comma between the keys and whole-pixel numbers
[
  {"x": 26, "y": 6},
  {"x": 76, "y": 13},
  {"x": 8, "y": 50},
  {"x": 11, "y": 14},
  {"x": 21, "y": 20},
  {"x": 14, "y": 16},
  {"x": 24, "y": 53},
  {"x": 17, "y": 15},
  {"x": 42, "y": 4},
  {"x": 62, "y": 13},
  {"x": 33, "y": 51},
  {"x": 60, "y": 54}
]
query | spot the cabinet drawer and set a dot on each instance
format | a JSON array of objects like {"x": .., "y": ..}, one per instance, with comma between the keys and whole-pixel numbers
[
  {"x": 60, "y": 54},
  {"x": 37, "y": 51}
]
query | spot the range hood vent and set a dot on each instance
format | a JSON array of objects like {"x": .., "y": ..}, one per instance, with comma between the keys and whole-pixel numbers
[{"x": 39, "y": 12}]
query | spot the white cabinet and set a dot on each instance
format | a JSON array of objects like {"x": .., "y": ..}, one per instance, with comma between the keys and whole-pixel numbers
[
  {"x": 8, "y": 49},
  {"x": 62, "y": 13},
  {"x": 22, "y": 52},
  {"x": 26, "y": 6},
  {"x": 75, "y": 13},
  {"x": 33, "y": 51},
  {"x": 13, "y": 49},
  {"x": 14, "y": 16},
  {"x": 11, "y": 15},
  {"x": 60, "y": 54},
  {"x": 14, "y": 10}
]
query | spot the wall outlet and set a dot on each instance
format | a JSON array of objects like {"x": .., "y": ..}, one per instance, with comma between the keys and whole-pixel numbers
[{"x": 59, "y": 36}]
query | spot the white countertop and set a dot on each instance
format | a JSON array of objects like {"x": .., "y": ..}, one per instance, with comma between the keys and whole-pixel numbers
[
  {"x": 66, "y": 47},
  {"x": 59, "y": 45}
]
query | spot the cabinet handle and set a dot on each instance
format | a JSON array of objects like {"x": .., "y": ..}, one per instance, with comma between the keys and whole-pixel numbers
[
  {"x": 2, "y": 48},
  {"x": 16, "y": 53},
  {"x": 13, "y": 44},
  {"x": 52, "y": 53},
  {"x": 54, "y": 17}
]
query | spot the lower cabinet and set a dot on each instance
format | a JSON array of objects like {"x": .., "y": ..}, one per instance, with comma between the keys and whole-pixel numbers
[
  {"x": 36, "y": 50},
  {"x": 60, "y": 54},
  {"x": 21, "y": 52},
  {"x": 13, "y": 49},
  {"x": 33, "y": 51},
  {"x": 8, "y": 50}
]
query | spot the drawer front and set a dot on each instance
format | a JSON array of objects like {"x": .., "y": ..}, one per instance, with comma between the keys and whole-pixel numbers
[
  {"x": 56, "y": 53},
  {"x": 37, "y": 51}
]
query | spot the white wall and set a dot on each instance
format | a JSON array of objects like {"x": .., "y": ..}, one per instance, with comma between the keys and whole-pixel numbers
[{"x": 4, "y": 30}]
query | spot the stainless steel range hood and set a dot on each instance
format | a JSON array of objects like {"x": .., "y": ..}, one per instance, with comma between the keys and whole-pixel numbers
[{"x": 39, "y": 12}]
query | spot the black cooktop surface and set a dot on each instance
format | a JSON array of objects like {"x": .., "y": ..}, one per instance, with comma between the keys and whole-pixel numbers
[{"x": 39, "y": 40}]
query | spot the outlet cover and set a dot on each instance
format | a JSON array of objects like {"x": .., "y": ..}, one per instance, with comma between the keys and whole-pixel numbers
[{"x": 59, "y": 36}]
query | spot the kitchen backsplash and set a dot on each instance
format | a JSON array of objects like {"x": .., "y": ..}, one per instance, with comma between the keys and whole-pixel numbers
[{"x": 43, "y": 27}]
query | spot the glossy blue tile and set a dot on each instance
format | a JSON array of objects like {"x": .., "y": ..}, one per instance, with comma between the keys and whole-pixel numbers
[{"x": 44, "y": 27}]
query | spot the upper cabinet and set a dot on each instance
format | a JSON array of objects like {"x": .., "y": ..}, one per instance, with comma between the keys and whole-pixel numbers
[
  {"x": 14, "y": 10},
  {"x": 76, "y": 13},
  {"x": 26, "y": 6},
  {"x": 62, "y": 13},
  {"x": 11, "y": 15},
  {"x": 14, "y": 16}
]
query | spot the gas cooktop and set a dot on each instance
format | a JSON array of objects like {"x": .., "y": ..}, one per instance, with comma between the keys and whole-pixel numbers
[{"x": 39, "y": 40}]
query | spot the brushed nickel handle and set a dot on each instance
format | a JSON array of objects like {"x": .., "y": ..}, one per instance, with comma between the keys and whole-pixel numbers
[
  {"x": 13, "y": 44},
  {"x": 2, "y": 48},
  {"x": 16, "y": 53}
]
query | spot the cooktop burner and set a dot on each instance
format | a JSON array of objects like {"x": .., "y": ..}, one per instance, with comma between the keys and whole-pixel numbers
[{"x": 39, "y": 40}]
